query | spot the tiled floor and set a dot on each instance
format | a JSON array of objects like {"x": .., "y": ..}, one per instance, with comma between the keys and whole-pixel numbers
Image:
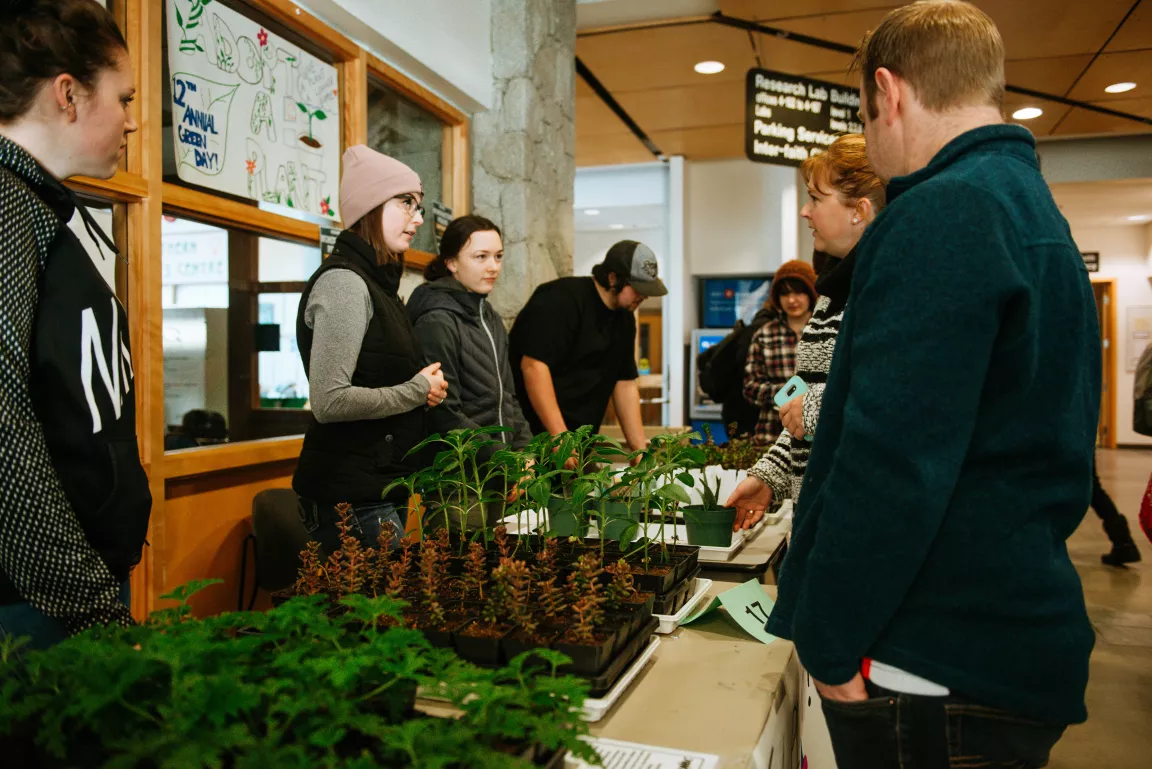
[{"x": 1118, "y": 734}]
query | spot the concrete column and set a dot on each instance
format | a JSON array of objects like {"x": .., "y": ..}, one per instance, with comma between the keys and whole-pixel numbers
[{"x": 524, "y": 148}]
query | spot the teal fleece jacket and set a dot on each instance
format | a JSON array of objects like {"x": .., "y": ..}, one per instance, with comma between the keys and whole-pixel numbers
[{"x": 954, "y": 451}]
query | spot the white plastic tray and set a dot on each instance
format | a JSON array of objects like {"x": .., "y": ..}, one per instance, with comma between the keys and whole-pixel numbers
[
  {"x": 669, "y": 622},
  {"x": 596, "y": 709}
]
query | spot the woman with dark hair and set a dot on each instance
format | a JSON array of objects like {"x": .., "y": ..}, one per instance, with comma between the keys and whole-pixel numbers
[
  {"x": 74, "y": 499},
  {"x": 772, "y": 354},
  {"x": 457, "y": 326},
  {"x": 367, "y": 377}
]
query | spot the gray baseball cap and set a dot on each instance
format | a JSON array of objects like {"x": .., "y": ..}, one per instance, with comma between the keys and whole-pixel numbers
[{"x": 636, "y": 262}]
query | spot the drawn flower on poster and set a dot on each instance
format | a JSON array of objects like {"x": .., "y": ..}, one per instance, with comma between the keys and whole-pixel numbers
[
  {"x": 326, "y": 207},
  {"x": 251, "y": 165},
  {"x": 262, "y": 38}
]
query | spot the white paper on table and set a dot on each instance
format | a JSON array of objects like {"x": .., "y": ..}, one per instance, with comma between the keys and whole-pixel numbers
[{"x": 629, "y": 755}]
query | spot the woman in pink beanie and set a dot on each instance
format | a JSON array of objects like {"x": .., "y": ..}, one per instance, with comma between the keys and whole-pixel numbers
[{"x": 366, "y": 375}]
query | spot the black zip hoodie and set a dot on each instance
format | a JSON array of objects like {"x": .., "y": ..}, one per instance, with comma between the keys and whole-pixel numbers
[{"x": 460, "y": 330}]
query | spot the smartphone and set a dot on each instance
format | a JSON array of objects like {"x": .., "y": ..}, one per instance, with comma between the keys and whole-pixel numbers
[{"x": 791, "y": 390}]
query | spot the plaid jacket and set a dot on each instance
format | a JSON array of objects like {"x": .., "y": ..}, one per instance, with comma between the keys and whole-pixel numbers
[{"x": 771, "y": 363}]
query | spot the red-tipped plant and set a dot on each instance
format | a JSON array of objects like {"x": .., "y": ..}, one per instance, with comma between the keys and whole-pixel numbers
[
  {"x": 544, "y": 566},
  {"x": 476, "y": 570},
  {"x": 588, "y": 615},
  {"x": 496, "y": 607},
  {"x": 500, "y": 536},
  {"x": 585, "y": 579},
  {"x": 311, "y": 579},
  {"x": 519, "y": 594},
  {"x": 622, "y": 587},
  {"x": 550, "y": 598}
]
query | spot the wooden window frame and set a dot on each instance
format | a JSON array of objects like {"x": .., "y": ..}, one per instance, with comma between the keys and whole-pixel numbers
[{"x": 455, "y": 159}]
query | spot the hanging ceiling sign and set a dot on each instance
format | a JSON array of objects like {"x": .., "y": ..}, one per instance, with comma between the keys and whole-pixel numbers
[
  {"x": 788, "y": 119},
  {"x": 252, "y": 114}
]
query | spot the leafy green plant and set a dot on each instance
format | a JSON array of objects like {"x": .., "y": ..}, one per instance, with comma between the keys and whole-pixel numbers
[
  {"x": 293, "y": 687},
  {"x": 316, "y": 114}
]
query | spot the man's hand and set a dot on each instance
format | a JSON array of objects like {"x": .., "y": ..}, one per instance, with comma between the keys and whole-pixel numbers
[
  {"x": 751, "y": 498},
  {"x": 516, "y": 491},
  {"x": 853, "y": 691},
  {"x": 792, "y": 415},
  {"x": 438, "y": 390}
]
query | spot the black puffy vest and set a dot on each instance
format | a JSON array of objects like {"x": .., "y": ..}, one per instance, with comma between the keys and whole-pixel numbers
[{"x": 354, "y": 461}]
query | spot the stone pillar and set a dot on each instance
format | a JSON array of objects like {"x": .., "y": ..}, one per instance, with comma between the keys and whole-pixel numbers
[{"x": 524, "y": 148}]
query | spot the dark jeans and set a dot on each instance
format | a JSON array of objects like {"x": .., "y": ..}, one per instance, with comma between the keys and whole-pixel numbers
[
  {"x": 907, "y": 731},
  {"x": 22, "y": 619},
  {"x": 367, "y": 519}
]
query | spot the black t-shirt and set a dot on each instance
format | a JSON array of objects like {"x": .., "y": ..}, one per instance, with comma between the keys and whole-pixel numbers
[{"x": 588, "y": 347}]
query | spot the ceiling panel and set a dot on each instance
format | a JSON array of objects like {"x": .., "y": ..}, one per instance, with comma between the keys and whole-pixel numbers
[
  {"x": 1132, "y": 66},
  {"x": 1081, "y": 121},
  {"x": 582, "y": 89},
  {"x": 593, "y": 118},
  {"x": 1054, "y": 75},
  {"x": 610, "y": 150},
  {"x": 688, "y": 107},
  {"x": 664, "y": 57},
  {"x": 784, "y": 9},
  {"x": 703, "y": 143},
  {"x": 1039, "y": 126},
  {"x": 1136, "y": 32},
  {"x": 1030, "y": 28}
]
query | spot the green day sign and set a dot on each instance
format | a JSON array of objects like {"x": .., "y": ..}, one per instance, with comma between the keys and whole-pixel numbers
[
  {"x": 788, "y": 119},
  {"x": 252, "y": 114}
]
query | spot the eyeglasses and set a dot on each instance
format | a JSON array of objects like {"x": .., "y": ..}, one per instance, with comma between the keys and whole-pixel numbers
[{"x": 411, "y": 205}]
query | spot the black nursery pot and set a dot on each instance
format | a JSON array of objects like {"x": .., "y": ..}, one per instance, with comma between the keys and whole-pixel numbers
[
  {"x": 587, "y": 659},
  {"x": 518, "y": 641},
  {"x": 655, "y": 583},
  {"x": 481, "y": 644}
]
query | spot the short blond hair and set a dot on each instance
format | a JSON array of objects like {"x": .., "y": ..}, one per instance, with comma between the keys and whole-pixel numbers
[
  {"x": 949, "y": 51},
  {"x": 844, "y": 168}
]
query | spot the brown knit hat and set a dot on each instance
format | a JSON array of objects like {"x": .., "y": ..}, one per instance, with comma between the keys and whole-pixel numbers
[{"x": 796, "y": 270}]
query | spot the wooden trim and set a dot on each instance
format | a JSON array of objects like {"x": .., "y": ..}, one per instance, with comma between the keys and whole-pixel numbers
[
  {"x": 461, "y": 183},
  {"x": 1109, "y": 332},
  {"x": 230, "y": 456},
  {"x": 123, "y": 187},
  {"x": 300, "y": 21},
  {"x": 417, "y": 260},
  {"x": 205, "y": 207},
  {"x": 283, "y": 287},
  {"x": 413, "y": 91},
  {"x": 144, "y": 29},
  {"x": 639, "y": 25},
  {"x": 354, "y": 112}
]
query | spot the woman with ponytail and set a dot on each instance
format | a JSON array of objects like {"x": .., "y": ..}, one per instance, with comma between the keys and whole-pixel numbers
[
  {"x": 458, "y": 327},
  {"x": 368, "y": 383},
  {"x": 74, "y": 499}
]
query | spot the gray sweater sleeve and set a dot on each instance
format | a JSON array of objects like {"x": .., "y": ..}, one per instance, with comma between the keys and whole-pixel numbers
[{"x": 338, "y": 312}]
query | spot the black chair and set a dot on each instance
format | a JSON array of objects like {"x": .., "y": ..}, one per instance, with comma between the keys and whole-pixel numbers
[{"x": 278, "y": 535}]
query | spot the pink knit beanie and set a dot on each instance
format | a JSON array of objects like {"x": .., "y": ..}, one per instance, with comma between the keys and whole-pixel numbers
[{"x": 371, "y": 178}]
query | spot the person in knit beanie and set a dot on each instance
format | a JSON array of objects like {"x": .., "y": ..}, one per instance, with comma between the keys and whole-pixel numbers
[
  {"x": 772, "y": 354},
  {"x": 368, "y": 382}
]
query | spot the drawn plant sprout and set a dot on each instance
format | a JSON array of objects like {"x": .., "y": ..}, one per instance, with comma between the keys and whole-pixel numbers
[
  {"x": 188, "y": 41},
  {"x": 318, "y": 114}
]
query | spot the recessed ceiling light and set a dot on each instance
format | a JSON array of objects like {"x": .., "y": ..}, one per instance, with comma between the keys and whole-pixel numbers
[
  {"x": 1143, "y": 218},
  {"x": 709, "y": 67},
  {"x": 616, "y": 226},
  {"x": 592, "y": 211},
  {"x": 1120, "y": 87},
  {"x": 1027, "y": 113}
]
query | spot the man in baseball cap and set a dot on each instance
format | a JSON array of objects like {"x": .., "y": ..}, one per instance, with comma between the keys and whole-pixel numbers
[{"x": 573, "y": 345}]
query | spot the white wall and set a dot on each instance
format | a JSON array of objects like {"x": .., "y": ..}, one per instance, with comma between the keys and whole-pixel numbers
[
  {"x": 444, "y": 44},
  {"x": 1125, "y": 254},
  {"x": 741, "y": 218}
]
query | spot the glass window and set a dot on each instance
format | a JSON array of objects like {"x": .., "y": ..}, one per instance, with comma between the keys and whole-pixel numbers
[
  {"x": 232, "y": 369},
  {"x": 399, "y": 128}
]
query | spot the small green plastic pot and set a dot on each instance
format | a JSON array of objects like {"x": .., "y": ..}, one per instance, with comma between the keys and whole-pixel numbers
[
  {"x": 709, "y": 528},
  {"x": 622, "y": 519},
  {"x": 566, "y": 517}
]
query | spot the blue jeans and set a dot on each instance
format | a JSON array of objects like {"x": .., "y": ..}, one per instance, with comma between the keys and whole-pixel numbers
[
  {"x": 367, "y": 519},
  {"x": 22, "y": 619}
]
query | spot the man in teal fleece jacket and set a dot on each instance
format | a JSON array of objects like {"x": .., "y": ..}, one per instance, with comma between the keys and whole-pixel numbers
[{"x": 955, "y": 444}]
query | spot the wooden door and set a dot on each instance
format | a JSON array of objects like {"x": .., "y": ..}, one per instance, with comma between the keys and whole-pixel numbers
[{"x": 1105, "y": 292}]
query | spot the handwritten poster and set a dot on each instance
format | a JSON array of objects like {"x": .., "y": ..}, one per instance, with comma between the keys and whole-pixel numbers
[{"x": 253, "y": 115}]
